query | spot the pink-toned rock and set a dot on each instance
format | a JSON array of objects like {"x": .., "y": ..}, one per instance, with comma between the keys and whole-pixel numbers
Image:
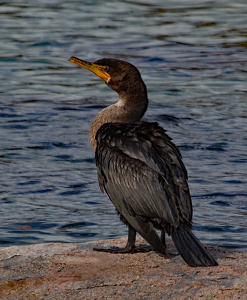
[{"x": 74, "y": 271}]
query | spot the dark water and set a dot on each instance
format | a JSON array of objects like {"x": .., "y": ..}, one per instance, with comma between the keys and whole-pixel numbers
[{"x": 192, "y": 57}]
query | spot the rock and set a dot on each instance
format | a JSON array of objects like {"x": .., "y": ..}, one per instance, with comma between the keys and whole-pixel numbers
[{"x": 74, "y": 271}]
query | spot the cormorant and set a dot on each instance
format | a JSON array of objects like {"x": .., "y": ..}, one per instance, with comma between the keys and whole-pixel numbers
[{"x": 140, "y": 168}]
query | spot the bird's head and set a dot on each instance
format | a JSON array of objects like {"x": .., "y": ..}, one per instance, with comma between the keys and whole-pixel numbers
[{"x": 119, "y": 75}]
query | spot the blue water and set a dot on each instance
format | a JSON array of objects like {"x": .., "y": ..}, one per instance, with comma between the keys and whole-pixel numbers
[{"x": 192, "y": 57}]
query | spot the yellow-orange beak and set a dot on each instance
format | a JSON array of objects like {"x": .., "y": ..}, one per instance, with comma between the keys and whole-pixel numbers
[{"x": 96, "y": 69}]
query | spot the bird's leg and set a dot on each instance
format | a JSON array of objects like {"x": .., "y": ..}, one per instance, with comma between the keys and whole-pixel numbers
[
  {"x": 129, "y": 248},
  {"x": 163, "y": 240},
  {"x": 163, "y": 237}
]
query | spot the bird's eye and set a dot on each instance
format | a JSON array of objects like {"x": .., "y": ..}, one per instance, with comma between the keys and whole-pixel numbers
[{"x": 106, "y": 68}]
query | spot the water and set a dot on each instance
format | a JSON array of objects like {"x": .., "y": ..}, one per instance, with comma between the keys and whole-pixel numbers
[{"x": 192, "y": 57}]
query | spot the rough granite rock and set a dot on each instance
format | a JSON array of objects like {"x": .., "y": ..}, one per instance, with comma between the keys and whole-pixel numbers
[{"x": 73, "y": 271}]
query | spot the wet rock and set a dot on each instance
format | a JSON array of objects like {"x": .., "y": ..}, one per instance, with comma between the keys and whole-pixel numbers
[{"x": 74, "y": 271}]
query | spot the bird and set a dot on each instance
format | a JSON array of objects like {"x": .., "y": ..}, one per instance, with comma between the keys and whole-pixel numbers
[{"x": 140, "y": 168}]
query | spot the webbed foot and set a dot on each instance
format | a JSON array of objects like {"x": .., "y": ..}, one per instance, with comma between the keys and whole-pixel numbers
[{"x": 116, "y": 249}]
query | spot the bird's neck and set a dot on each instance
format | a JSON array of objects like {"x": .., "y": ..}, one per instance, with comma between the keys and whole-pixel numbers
[{"x": 128, "y": 109}]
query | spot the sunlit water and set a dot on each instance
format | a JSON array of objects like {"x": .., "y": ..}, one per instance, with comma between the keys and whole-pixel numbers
[{"x": 192, "y": 57}]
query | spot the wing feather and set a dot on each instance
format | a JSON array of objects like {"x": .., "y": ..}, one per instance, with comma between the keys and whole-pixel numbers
[{"x": 142, "y": 172}]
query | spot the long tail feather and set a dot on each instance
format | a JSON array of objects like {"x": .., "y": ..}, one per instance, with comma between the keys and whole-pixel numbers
[{"x": 191, "y": 249}]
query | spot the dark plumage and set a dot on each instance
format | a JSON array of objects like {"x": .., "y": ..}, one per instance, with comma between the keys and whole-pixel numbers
[{"x": 140, "y": 168}]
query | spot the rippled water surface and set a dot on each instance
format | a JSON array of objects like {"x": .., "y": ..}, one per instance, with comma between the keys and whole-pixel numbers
[{"x": 192, "y": 57}]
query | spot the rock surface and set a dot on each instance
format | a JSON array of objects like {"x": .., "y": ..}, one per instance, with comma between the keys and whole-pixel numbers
[{"x": 73, "y": 271}]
